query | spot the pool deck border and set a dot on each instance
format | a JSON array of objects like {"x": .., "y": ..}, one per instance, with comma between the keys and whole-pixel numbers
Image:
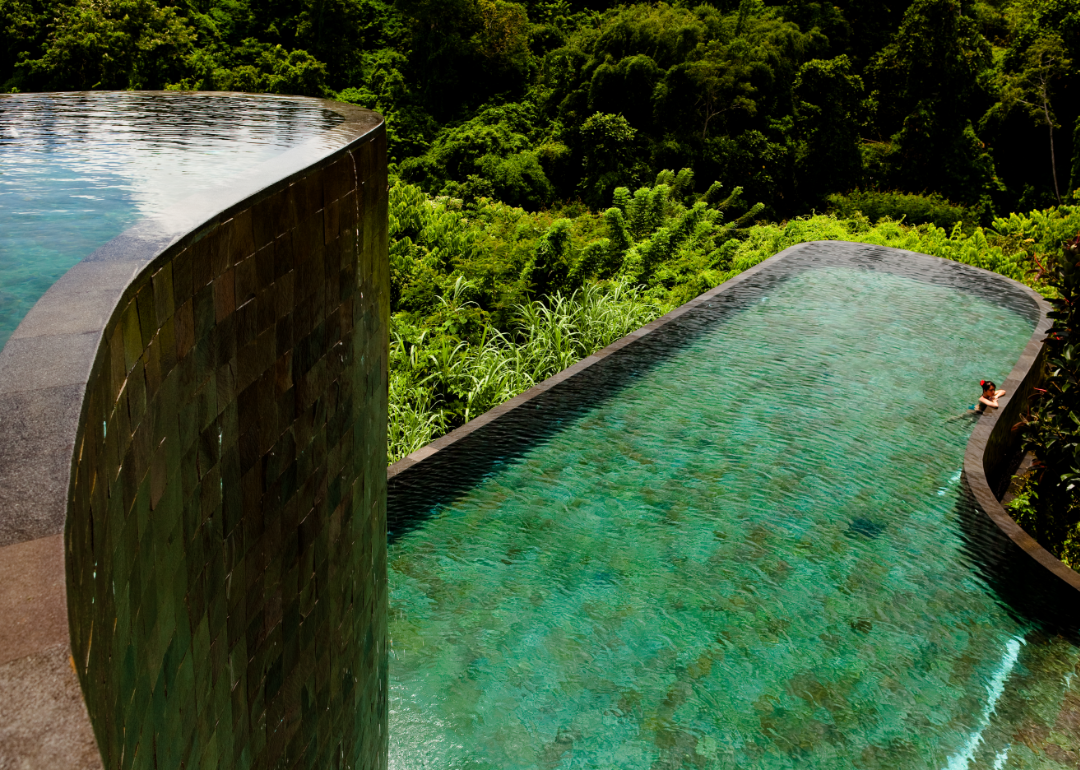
[{"x": 987, "y": 448}]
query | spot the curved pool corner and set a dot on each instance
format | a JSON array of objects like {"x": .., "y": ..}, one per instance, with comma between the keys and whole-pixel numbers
[
  {"x": 993, "y": 440},
  {"x": 192, "y": 480}
]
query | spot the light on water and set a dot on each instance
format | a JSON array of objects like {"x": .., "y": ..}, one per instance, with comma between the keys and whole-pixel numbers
[
  {"x": 750, "y": 556},
  {"x": 76, "y": 170}
]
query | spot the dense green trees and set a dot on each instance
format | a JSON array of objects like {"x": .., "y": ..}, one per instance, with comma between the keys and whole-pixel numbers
[
  {"x": 926, "y": 89},
  {"x": 826, "y": 104},
  {"x": 542, "y": 101}
]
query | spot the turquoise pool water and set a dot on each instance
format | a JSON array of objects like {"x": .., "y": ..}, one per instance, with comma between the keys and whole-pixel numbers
[
  {"x": 749, "y": 556},
  {"x": 76, "y": 170}
]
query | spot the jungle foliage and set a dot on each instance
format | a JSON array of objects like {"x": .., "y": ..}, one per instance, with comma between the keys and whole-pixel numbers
[
  {"x": 539, "y": 102},
  {"x": 1049, "y": 504},
  {"x": 491, "y": 299}
]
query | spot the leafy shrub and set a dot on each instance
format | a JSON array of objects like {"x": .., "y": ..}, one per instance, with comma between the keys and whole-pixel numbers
[
  {"x": 897, "y": 206},
  {"x": 1053, "y": 431}
]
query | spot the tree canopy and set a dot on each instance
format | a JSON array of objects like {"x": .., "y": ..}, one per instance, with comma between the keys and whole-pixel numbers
[{"x": 546, "y": 101}]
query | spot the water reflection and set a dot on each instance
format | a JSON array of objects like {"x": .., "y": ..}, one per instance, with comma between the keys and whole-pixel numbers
[{"x": 77, "y": 169}]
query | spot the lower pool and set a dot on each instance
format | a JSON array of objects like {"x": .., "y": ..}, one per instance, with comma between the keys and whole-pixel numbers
[{"x": 747, "y": 553}]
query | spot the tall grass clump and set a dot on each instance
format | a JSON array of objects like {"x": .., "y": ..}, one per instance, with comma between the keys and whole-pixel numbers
[{"x": 438, "y": 383}]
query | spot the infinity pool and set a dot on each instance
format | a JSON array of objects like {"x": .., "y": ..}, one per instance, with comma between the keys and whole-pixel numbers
[
  {"x": 76, "y": 170},
  {"x": 745, "y": 553}
]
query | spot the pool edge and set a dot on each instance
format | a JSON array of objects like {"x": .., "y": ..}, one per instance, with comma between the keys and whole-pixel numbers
[{"x": 993, "y": 437}]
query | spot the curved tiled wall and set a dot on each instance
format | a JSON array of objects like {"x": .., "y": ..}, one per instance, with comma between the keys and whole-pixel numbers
[
  {"x": 986, "y": 460},
  {"x": 220, "y": 446}
]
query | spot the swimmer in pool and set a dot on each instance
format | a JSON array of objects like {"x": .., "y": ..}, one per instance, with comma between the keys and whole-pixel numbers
[{"x": 989, "y": 397}]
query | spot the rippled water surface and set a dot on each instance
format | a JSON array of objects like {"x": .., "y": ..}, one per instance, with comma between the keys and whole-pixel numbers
[
  {"x": 76, "y": 170},
  {"x": 749, "y": 557}
]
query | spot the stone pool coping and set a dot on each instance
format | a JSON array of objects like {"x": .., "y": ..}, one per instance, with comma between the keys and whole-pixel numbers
[
  {"x": 987, "y": 448},
  {"x": 45, "y": 368},
  {"x": 986, "y": 459}
]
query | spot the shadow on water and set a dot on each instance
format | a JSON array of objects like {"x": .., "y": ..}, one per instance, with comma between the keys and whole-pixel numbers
[
  {"x": 417, "y": 493},
  {"x": 1026, "y": 589}
]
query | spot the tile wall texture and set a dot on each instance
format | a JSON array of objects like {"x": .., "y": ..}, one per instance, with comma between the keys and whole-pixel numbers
[{"x": 225, "y": 538}]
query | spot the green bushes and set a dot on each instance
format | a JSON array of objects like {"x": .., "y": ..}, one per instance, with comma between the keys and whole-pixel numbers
[
  {"x": 900, "y": 207},
  {"x": 1049, "y": 508}
]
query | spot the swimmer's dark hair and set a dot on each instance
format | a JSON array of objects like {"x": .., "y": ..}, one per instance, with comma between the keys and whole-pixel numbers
[{"x": 988, "y": 384}]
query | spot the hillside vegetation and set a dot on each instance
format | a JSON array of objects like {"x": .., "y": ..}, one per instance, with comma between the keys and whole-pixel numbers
[
  {"x": 493, "y": 299},
  {"x": 544, "y": 101}
]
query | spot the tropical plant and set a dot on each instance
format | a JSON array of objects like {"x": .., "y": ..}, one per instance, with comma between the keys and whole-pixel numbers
[
  {"x": 438, "y": 382},
  {"x": 1052, "y": 433},
  {"x": 900, "y": 207}
]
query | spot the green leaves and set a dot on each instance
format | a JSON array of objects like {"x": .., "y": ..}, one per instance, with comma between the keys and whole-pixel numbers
[
  {"x": 908, "y": 208},
  {"x": 827, "y": 97},
  {"x": 769, "y": 95},
  {"x": 926, "y": 82},
  {"x": 119, "y": 44},
  {"x": 607, "y": 142},
  {"x": 1029, "y": 82},
  {"x": 438, "y": 383},
  {"x": 1052, "y": 432},
  {"x": 489, "y": 156}
]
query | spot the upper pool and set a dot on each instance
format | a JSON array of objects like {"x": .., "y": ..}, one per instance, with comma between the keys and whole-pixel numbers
[
  {"x": 736, "y": 543},
  {"x": 77, "y": 169}
]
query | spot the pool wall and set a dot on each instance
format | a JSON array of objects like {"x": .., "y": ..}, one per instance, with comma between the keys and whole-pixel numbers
[
  {"x": 992, "y": 447},
  {"x": 192, "y": 480}
]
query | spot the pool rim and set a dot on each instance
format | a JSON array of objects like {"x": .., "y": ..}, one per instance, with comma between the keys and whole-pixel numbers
[{"x": 989, "y": 426}]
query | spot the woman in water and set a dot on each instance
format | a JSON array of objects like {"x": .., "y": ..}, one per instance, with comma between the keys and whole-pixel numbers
[{"x": 989, "y": 397}]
